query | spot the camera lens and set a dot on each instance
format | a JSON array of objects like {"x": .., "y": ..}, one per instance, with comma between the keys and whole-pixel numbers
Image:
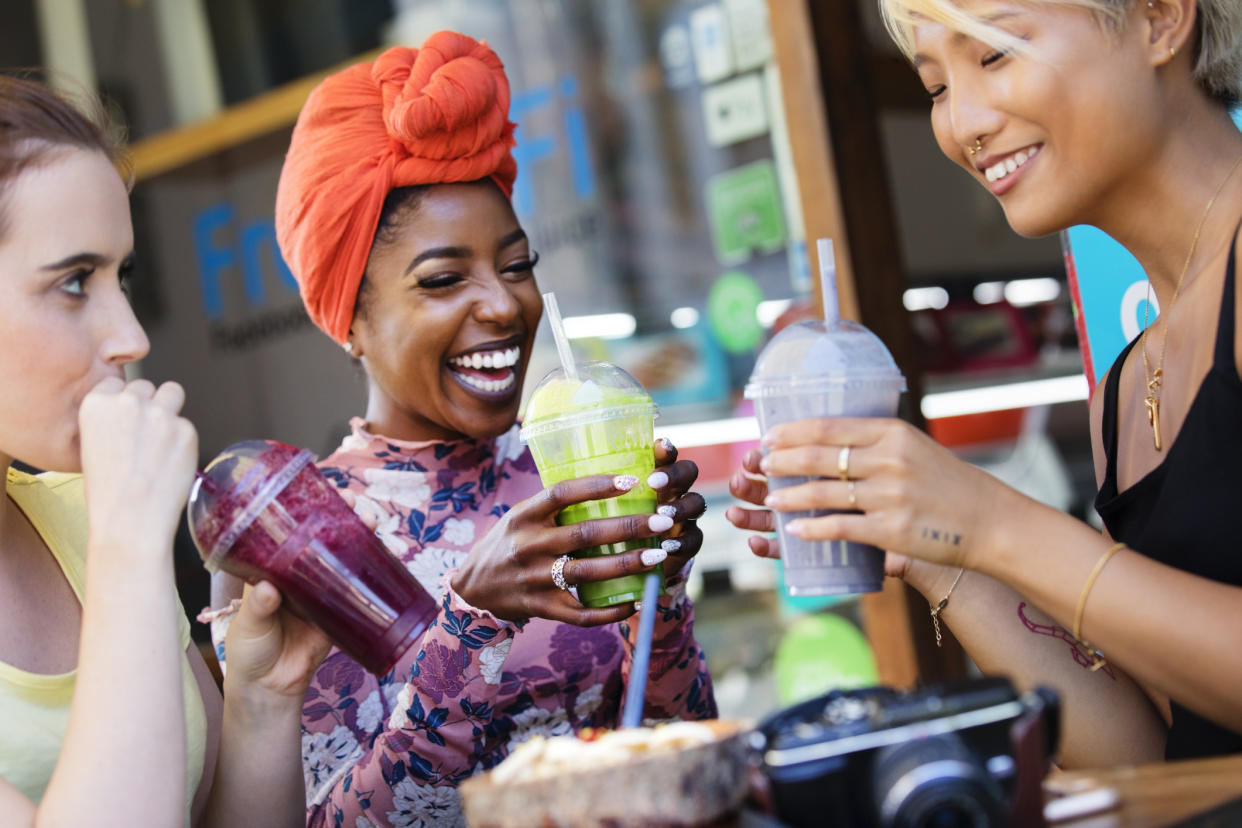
[{"x": 934, "y": 783}]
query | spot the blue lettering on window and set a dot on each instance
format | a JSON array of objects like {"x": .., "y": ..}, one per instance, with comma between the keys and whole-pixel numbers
[
  {"x": 217, "y": 256},
  {"x": 212, "y": 258},
  {"x": 532, "y": 149}
]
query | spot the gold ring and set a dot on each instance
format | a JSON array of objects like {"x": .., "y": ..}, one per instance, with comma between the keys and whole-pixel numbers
[
  {"x": 843, "y": 463},
  {"x": 853, "y": 498}
]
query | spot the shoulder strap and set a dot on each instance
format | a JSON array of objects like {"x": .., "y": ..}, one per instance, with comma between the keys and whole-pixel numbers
[
  {"x": 1225, "y": 326},
  {"x": 1108, "y": 427}
]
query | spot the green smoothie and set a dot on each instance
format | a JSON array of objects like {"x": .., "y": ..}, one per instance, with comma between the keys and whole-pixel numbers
[{"x": 600, "y": 423}]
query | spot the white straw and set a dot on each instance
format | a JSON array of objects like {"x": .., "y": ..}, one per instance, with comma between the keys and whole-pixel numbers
[
  {"x": 558, "y": 333},
  {"x": 828, "y": 280}
]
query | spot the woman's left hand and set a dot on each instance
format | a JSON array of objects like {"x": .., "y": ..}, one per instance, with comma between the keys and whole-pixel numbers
[
  {"x": 271, "y": 650},
  {"x": 685, "y": 539},
  {"x": 903, "y": 491}
]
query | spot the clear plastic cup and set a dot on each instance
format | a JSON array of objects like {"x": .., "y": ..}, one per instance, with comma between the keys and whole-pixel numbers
[
  {"x": 262, "y": 511},
  {"x": 814, "y": 369},
  {"x": 603, "y": 422}
]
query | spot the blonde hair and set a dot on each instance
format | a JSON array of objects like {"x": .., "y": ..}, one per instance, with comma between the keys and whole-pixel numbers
[{"x": 1217, "y": 43}]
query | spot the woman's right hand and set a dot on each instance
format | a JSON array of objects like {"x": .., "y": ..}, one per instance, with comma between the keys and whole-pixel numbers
[
  {"x": 509, "y": 571},
  {"x": 750, "y": 484},
  {"x": 138, "y": 460}
]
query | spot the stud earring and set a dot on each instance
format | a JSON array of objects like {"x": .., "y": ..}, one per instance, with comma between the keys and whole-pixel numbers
[
  {"x": 1172, "y": 53},
  {"x": 349, "y": 348}
]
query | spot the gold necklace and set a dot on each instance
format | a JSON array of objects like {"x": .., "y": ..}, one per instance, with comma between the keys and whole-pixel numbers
[{"x": 1152, "y": 400}]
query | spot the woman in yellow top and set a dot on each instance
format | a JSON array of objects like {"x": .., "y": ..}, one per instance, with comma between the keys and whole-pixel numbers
[{"x": 107, "y": 714}]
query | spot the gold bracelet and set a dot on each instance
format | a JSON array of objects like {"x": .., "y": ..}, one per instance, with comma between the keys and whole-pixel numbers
[
  {"x": 944, "y": 602},
  {"x": 1098, "y": 660}
]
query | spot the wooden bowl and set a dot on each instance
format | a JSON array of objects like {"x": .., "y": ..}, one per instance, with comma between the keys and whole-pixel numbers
[{"x": 664, "y": 787}]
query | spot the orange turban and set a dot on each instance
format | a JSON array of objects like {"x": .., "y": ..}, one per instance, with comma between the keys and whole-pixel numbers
[{"x": 433, "y": 115}]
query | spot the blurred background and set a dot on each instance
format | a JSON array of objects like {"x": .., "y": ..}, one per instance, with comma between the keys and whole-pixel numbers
[{"x": 675, "y": 157}]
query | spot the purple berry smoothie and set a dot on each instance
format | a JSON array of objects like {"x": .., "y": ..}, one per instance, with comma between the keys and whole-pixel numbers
[{"x": 280, "y": 520}]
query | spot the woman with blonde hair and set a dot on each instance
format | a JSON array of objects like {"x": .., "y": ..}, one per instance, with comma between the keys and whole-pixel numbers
[{"x": 1113, "y": 113}]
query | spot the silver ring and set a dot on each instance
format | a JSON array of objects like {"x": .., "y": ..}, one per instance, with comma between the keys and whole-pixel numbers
[
  {"x": 853, "y": 498},
  {"x": 843, "y": 463},
  {"x": 558, "y": 572}
]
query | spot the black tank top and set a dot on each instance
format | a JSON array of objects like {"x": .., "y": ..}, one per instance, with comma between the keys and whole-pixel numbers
[{"x": 1184, "y": 513}]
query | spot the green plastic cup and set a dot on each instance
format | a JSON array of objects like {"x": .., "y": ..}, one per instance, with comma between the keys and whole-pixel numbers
[{"x": 602, "y": 422}]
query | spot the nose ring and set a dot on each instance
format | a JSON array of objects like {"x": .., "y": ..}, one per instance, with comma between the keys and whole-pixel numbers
[{"x": 977, "y": 148}]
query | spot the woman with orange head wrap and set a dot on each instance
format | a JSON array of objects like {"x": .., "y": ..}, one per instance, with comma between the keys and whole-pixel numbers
[{"x": 393, "y": 214}]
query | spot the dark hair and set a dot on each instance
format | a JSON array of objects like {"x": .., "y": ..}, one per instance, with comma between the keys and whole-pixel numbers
[
  {"x": 398, "y": 201},
  {"x": 36, "y": 122}
]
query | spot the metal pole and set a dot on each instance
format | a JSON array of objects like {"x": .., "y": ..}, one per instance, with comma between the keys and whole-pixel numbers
[{"x": 65, "y": 38}]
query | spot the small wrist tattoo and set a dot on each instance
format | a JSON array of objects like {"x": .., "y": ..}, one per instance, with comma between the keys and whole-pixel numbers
[{"x": 942, "y": 536}]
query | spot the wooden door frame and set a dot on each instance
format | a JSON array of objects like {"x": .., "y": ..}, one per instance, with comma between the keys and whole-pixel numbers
[{"x": 834, "y": 132}]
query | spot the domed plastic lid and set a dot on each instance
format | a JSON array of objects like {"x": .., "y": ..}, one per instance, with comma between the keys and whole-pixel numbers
[
  {"x": 813, "y": 356},
  {"x": 234, "y": 488},
  {"x": 601, "y": 392}
]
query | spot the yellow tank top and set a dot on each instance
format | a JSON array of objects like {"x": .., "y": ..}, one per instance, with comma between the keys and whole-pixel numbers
[{"x": 34, "y": 708}]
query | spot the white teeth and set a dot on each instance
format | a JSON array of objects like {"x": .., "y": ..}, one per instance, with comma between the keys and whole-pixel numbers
[
  {"x": 493, "y": 359},
  {"x": 1001, "y": 169},
  {"x": 489, "y": 385}
]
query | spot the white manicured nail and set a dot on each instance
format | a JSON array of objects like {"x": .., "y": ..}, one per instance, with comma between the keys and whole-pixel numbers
[
  {"x": 624, "y": 482},
  {"x": 660, "y": 523},
  {"x": 667, "y": 510},
  {"x": 651, "y": 557},
  {"x": 658, "y": 480},
  {"x": 671, "y": 545}
]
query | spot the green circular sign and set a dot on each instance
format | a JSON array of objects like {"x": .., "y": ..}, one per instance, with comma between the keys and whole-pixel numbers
[
  {"x": 819, "y": 653},
  {"x": 731, "y": 305}
]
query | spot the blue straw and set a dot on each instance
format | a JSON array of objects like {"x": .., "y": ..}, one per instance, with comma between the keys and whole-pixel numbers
[{"x": 632, "y": 716}]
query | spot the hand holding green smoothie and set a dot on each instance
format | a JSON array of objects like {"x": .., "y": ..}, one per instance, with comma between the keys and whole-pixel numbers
[{"x": 600, "y": 421}]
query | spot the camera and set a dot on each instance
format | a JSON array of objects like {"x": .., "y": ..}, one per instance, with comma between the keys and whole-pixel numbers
[{"x": 968, "y": 754}]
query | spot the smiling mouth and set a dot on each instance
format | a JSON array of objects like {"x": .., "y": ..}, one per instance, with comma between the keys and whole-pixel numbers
[
  {"x": 488, "y": 371},
  {"x": 1005, "y": 167}
]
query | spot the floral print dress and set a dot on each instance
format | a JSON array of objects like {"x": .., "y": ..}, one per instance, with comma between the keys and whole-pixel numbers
[{"x": 392, "y": 750}]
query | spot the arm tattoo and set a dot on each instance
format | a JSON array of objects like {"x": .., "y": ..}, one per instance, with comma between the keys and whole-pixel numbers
[
  {"x": 943, "y": 536},
  {"x": 1082, "y": 656}
]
